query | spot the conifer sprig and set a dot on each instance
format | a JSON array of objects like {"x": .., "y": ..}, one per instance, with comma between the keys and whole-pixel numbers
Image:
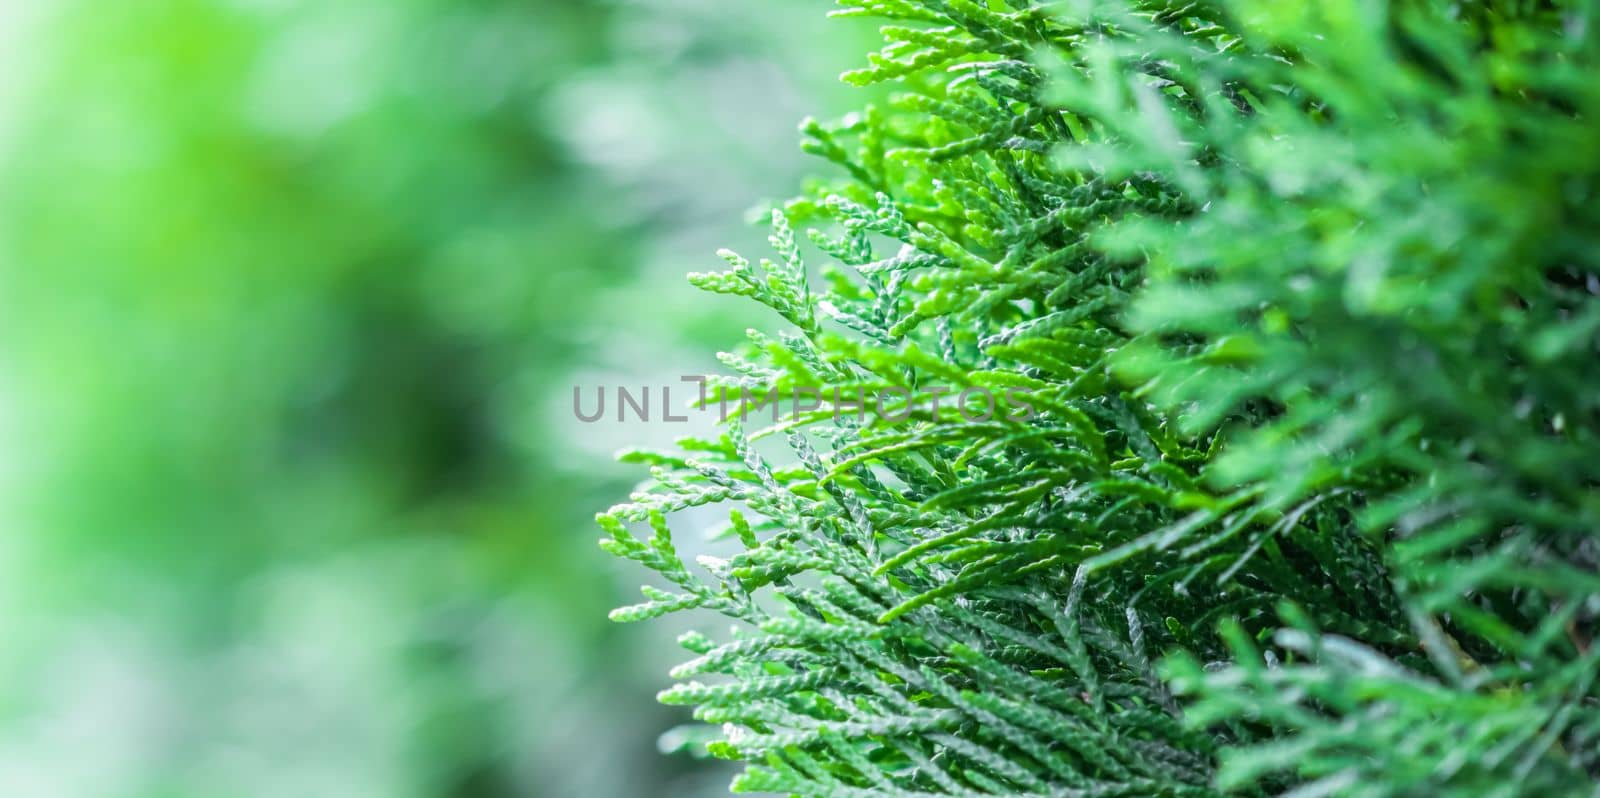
[{"x": 1305, "y": 300}]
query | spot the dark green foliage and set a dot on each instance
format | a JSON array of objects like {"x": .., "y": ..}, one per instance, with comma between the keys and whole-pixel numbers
[{"x": 1305, "y": 295}]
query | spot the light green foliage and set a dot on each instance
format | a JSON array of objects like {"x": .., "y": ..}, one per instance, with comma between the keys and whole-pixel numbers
[
  {"x": 1305, "y": 296},
  {"x": 288, "y": 291},
  {"x": 266, "y": 270}
]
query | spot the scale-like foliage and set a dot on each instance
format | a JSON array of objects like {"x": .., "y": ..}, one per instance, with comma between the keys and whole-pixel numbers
[{"x": 1290, "y": 313}]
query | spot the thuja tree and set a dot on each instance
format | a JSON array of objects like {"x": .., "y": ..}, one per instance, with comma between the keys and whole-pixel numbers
[{"x": 1295, "y": 488}]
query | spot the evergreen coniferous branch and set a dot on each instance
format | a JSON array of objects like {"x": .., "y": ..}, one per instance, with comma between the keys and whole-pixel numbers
[{"x": 1288, "y": 314}]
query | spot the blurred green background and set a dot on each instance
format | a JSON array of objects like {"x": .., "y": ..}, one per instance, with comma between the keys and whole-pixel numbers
[{"x": 292, "y": 299}]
